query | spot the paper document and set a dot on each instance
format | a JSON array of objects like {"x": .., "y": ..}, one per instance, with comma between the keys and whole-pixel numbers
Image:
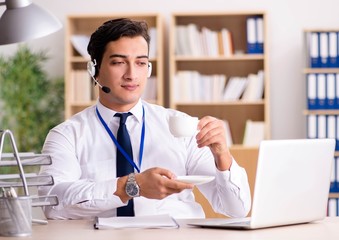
[{"x": 154, "y": 221}]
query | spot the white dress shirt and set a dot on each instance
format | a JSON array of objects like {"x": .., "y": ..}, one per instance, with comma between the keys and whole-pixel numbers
[{"x": 84, "y": 167}]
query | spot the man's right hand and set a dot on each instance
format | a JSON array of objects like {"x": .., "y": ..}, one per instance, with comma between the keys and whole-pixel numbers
[{"x": 158, "y": 183}]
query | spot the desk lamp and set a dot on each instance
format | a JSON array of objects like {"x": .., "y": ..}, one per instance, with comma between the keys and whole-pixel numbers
[{"x": 23, "y": 20}]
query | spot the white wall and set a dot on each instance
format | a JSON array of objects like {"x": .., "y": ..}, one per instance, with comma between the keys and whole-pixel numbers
[{"x": 286, "y": 21}]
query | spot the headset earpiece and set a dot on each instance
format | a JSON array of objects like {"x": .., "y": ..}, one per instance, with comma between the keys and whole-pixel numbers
[
  {"x": 91, "y": 67},
  {"x": 149, "y": 69}
]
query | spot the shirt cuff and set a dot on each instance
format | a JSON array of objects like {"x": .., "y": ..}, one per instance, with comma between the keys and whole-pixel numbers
[
  {"x": 234, "y": 176},
  {"x": 106, "y": 190}
]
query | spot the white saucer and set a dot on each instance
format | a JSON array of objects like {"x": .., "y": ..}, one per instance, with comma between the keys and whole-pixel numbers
[{"x": 197, "y": 180}]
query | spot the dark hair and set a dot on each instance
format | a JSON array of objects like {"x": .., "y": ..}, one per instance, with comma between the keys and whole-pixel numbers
[{"x": 113, "y": 30}]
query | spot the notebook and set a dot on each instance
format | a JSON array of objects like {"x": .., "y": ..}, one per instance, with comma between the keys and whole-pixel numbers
[{"x": 291, "y": 187}]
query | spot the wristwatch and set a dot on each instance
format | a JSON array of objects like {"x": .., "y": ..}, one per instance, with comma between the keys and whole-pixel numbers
[{"x": 132, "y": 188}]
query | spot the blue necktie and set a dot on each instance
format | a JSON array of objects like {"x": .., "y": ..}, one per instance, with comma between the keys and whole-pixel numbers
[{"x": 123, "y": 166}]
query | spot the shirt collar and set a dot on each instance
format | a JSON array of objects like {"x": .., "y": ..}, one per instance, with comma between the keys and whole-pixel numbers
[{"x": 108, "y": 114}]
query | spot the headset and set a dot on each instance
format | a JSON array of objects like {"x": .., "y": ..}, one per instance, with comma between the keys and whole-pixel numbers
[{"x": 91, "y": 70}]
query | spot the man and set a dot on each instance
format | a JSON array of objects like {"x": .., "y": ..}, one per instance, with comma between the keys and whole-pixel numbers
[{"x": 85, "y": 149}]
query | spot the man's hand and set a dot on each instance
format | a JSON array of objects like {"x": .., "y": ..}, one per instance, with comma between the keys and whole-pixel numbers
[
  {"x": 212, "y": 134},
  {"x": 158, "y": 183},
  {"x": 154, "y": 183}
]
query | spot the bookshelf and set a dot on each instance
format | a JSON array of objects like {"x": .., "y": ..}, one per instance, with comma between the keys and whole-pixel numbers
[
  {"x": 237, "y": 64},
  {"x": 322, "y": 96},
  {"x": 238, "y": 61},
  {"x": 79, "y": 89}
]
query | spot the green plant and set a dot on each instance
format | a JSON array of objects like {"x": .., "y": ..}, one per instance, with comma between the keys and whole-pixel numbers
[{"x": 31, "y": 103}]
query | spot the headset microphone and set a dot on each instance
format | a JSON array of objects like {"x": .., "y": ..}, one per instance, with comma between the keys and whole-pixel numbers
[
  {"x": 91, "y": 70},
  {"x": 103, "y": 88}
]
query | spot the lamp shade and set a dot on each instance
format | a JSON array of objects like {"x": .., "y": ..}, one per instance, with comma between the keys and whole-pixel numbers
[{"x": 23, "y": 20}]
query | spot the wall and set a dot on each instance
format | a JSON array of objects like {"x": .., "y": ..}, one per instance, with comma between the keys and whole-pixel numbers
[{"x": 286, "y": 21}]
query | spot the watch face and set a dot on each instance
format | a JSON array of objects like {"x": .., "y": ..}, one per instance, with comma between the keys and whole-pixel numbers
[{"x": 132, "y": 190}]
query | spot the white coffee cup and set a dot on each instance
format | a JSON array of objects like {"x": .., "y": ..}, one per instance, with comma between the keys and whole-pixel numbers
[{"x": 183, "y": 126}]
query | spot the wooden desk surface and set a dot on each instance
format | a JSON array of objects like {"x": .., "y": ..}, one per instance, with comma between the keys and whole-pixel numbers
[{"x": 82, "y": 229}]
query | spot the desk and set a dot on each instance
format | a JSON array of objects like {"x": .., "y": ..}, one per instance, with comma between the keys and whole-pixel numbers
[{"x": 83, "y": 229}]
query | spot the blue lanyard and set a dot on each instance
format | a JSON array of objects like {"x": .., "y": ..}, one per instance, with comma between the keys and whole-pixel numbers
[{"x": 118, "y": 145}]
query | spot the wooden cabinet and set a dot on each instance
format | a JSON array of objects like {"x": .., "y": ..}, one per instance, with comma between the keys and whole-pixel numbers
[
  {"x": 237, "y": 63},
  {"x": 321, "y": 83},
  {"x": 79, "y": 88}
]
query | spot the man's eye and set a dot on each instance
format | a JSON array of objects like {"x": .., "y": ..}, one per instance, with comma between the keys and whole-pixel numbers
[{"x": 117, "y": 63}]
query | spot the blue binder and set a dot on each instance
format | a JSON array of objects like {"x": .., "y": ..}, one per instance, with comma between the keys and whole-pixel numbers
[
  {"x": 333, "y": 49},
  {"x": 324, "y": 56},
  {"x": 313, "y": 48},
  {"x": 330, "y": 91},
  {"x": 260, "y": 35},
  {"x": 311, "y": 83},
  {"x": 312, "y": 126},
  {"x": 251, "y": 35},
  {"x": 321, "y": 91}
]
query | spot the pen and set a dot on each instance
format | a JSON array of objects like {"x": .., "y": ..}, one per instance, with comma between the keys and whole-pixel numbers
[
  {"x": 38, "y": 221},
  {"x": 18, "y": 211}
]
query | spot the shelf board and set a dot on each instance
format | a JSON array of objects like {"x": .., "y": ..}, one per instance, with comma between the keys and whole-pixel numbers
[
  {"x": 235, "y": 57},
  {"x": 321, "y": 70},
  {"x": 333, "y": 195},
  {"x": 321, "y": 30},
  {"x": 221, "y": 103},
  {"x": 321, "y": 112}
]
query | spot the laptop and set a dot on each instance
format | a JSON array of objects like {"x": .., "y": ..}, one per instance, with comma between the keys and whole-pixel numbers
[{"x": 291, "y": 186}]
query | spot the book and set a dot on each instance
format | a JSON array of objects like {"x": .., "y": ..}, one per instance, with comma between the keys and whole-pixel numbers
[
  {"x": 182, "y": 45},
  {"x": 235, "y": 88},
  {"x": 255, "y": 87},
  {"x": 226, "y": 42},
  {"x": 254, "y": 133},
  {"x": 194, "y": 40},
  {"x": 251, "y": 35},
  {"x": 210, "y": 41},
  {"x": 228, "y": 133},
  {"x": 150, "y": 221}
]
